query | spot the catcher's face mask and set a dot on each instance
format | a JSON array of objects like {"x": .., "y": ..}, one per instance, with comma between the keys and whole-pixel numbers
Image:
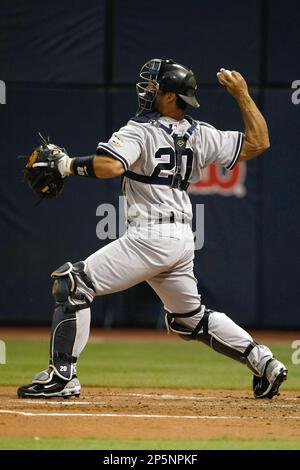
[{"x": 147, "y": 90}]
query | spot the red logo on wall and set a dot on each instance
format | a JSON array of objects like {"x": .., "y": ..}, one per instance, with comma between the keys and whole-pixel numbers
[{"x": 217, "y": 180}]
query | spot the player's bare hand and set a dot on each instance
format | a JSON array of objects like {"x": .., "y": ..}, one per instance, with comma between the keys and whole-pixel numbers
[{"x": 234, "y": 82}]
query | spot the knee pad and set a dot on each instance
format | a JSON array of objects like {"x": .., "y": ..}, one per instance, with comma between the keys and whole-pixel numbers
[
  {"x": 69, "y": 283},
  {"x": 65, "y": 289},
  {"x": 188, "y": 332},
  {"x": 199, "y": 331}
]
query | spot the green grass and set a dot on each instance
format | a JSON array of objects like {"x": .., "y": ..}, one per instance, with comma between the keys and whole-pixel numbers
[
  {"x": 142, "y": 444},
  {"x": 157, "y": 364}
]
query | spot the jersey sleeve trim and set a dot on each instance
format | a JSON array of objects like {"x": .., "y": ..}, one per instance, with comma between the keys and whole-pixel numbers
[
  {"x": 109, "y": 150},
  {"x": 237, "y": 152}
]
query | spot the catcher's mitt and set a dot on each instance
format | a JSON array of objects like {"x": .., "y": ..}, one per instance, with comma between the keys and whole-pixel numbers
[{"x": 41, "y": 172}]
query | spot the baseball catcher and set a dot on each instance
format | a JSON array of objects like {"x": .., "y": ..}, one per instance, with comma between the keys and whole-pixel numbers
[{"x": 158, "y": 153}]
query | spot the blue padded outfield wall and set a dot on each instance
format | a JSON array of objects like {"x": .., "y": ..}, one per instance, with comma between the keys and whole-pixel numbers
[{"x": 70, "y": 70}]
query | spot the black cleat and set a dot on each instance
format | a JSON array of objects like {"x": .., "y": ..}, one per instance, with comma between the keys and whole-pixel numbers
[
  {"x": 47, "y": 384},
  {"x": 268, "y": 385}
]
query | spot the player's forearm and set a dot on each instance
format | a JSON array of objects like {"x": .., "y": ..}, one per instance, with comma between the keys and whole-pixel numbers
[
  {"x": 256, "y": 129},
  {"x": 96, "y": 166},
  {"x": 107, "y": 167}
]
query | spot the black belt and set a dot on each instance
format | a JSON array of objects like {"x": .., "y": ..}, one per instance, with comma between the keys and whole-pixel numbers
[
  {"x": 171, "y": 219},
  {"x": 166, "y": 220}
]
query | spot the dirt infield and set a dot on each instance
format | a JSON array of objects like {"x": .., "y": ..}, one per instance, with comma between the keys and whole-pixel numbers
[{"x": 152, "y": 414}]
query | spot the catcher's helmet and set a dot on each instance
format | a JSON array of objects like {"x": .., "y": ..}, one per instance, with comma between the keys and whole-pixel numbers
[{"x": 165, "y": 75}]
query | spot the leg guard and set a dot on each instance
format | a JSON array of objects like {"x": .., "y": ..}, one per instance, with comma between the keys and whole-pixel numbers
[
  {"x": 73, "y": 293},
  {"x": 216, "y": 330}
]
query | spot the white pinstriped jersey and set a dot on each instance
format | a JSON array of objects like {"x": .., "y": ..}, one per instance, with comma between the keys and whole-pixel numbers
[{"x": 146, "y": 149}]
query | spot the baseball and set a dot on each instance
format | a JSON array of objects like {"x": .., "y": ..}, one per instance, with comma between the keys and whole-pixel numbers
[
  {"x": 224, "y": 70},
  {"x": 227, "y": 71}
]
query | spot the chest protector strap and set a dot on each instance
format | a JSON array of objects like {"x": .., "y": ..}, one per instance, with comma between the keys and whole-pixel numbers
[{"x": 176, "y": 180}]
